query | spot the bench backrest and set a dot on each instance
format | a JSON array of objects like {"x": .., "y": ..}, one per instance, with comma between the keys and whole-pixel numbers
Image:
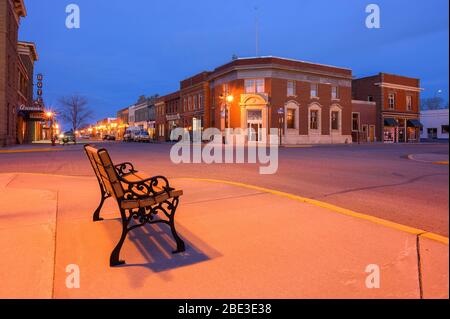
[{"x": 105, "y": 171}]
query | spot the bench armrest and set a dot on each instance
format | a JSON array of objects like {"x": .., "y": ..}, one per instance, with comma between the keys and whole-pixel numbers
[
  {"x": 149, "y": 187},
  {"x": 124, "y": 169}
]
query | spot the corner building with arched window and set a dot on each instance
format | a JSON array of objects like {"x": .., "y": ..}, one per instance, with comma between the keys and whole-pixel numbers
[{"x": 307, "y": 103}]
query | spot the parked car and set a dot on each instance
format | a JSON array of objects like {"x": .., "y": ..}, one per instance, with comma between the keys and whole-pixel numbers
[
  {"x": 85, "y": 137},
  {"x": 109, "y": 137},
  {"x": 67, "y": 137},
  {"x": 142, "y": 137},
  {"x": 127, "y": 137}
]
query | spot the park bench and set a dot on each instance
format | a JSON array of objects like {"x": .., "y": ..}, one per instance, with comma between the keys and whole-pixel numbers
[{"x": 142, "y": 200}]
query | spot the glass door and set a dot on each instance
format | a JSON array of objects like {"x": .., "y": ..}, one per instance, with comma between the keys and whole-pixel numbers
[{"x": 254, "y": 125}]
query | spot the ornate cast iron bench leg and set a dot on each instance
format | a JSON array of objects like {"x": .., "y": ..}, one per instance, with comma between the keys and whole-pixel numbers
[
  {"x": 114, "y": 260},
  {"x": 140, "y": 215},
  {"x": 180, "y": 243},
  {"x": 96, "y": 217}
]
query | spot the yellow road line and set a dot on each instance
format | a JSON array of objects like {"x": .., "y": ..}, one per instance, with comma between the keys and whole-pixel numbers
[
  {"x": 337, "y": 209},
  {"x": 440, "y": 163},
  {"x": 31, "y": 150}
]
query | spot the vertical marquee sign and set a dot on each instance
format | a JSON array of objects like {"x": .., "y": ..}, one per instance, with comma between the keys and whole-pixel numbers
[{"x": 39, "y": 84}]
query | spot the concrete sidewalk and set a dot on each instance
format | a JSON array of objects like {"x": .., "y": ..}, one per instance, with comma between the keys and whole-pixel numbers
[{"x": 241, "y": 243}]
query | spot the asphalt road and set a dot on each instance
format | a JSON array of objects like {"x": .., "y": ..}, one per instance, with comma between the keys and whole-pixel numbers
[{"x": 372, "y": 179}]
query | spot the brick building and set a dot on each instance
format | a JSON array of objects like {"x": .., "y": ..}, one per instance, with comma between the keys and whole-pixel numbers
[
  {"x": 310, "y": 103},
  {"x": 364, "y": 121},
  {"x": 11, "y": 11},
  {"x": 30, "y": 114},
  {"x": 168, "y": 115},
  {"x": 397, "y": 101},
  {"x": 195, "y": 101}
]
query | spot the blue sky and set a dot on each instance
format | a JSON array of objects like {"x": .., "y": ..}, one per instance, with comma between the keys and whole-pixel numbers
[{"x": 128, "y": 48}]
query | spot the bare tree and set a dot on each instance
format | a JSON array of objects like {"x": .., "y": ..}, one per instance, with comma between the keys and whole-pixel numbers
[
  {"x": 75, "y": 111},
  {"x": 433, "y": 103}
]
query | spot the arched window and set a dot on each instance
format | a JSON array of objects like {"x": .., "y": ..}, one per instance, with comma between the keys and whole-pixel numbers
[
  {"x": 335, "y": 119},
  {"x": 315, "y": 118},
  {"x": 291, "y": 111}
]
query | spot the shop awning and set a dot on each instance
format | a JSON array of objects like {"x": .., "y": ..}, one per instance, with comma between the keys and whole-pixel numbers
[
  {"x": 390, "y": 122},
  {"x": 414, "y": 123}
]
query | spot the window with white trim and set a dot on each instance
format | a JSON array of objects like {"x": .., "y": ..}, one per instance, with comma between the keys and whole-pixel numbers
[
  {"x": 314, "y": 119},
  {"x": 314, "y": 90},
  {"x": 290, "y": 118},
  {"x": 254, "y": 86},
  {"x": 391, "y": 101},
  {"x": 409, "y": 103},
  {"x": 335, "y": 92},
  {"x": 335, "y": 120},
  {"x": 290, "y": 88}
]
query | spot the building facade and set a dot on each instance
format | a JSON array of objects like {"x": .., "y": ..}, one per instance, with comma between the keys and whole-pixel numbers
[
  {"x": 364, "y": 121},
  {"x": 143, "y": 114},
  {"x": 398, "y": 105},
  {"x": 122, "y": 122},
  {"x": 168, "y": 115},
  {"x": 309, "y": 103},
  {"x": 11, "y": 11},
  {"x": 435, "y": 124},
  {"x": 30, "y": 115}
]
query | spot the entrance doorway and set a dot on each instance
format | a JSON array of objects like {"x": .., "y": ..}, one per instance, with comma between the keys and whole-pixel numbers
[
  {"x": 432, "y": 133},
  {"x": 254, "y": 125},
  {"x": 372, "y": 133}
]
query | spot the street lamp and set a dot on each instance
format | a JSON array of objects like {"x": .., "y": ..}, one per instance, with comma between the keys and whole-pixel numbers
[
  {"x": 280, "y": 123},
  {"x": 50, "y": 115}
]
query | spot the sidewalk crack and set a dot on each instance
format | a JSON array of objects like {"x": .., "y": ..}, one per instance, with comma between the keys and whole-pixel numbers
[
  {"x": 419, "y": 265},
  {"x": 54, "y": 247}
]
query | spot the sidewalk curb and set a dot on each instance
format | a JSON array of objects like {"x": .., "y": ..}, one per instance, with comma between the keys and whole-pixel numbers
[{"x": 337, "y": 209}]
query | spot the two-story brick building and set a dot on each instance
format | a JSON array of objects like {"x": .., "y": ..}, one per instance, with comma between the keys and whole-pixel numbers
[
  {"x": 169, "y": 115},
  {"x": 310, "y": 103},
  {"x": 397, "y": 101}
]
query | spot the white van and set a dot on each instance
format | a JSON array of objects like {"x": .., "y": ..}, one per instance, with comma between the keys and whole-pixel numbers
[{"x": 130, "y": 133}]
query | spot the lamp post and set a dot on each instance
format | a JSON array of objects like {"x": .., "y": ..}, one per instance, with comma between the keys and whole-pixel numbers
[
  {"x": 50, "y": 116},
  {"x": 228, "y": 100},
  {"x": 280, "y": 124}
]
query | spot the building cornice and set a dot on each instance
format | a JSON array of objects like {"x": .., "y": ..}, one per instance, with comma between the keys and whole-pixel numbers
[
  {"x": 28, "y": 48},
  {"x": 19, "y": 8},
  {"x": 275, "y": 66},
  {"x": 399, "y": 87}
]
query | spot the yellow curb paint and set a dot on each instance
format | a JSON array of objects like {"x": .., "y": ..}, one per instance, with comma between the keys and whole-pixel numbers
[
  {"x": 440, "y": 163},
  {"x": 31, "y": 150},
  {"x": 337, "y": 209},
  {"x": 436, "y": 237}
]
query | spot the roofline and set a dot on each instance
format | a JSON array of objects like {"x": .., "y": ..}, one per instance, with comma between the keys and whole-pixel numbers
[
  {"x": 19, "y": 4},
  {"x": 293, "y": 60},
  {"x": 229, "y": 67},
  {"x": 32, "y": 47}
]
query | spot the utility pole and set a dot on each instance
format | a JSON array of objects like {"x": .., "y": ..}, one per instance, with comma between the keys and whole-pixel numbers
[{"x": 257, "y": 31}]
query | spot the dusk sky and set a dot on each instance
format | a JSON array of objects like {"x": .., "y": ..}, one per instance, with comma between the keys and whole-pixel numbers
[{"x": 129, "y": 48}]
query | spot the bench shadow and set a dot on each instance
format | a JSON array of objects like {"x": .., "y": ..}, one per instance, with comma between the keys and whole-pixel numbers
[{"x": 155, "y": 244}]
